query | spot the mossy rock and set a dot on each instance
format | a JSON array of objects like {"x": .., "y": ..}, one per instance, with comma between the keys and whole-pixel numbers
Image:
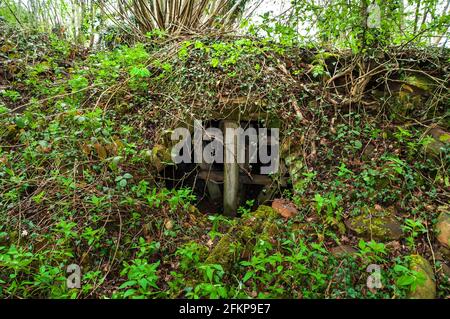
[
  {"x": 426, "y": 289},
  {"x": 438, "y": 140},
  {"x": 381, "y": 226},
  {"x": 420, "y": 81},
  {"x": 443, "y": 229},
  {"x": 264, "y": 212},
  {"x": 409, "y": 95},
  {"x": 343, "y": 251},
  {"x": 222, "y": 253},
  {"x": 240, "y": 239},
  {"x": 444, "y": 253}
]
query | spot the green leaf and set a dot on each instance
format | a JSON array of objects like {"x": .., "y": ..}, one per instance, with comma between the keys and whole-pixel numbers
[
  {"x": 127, "y": 284},
  {"x": 129, "y": 293},
  {"x": 140, "y": 72},
  {"x": 358, "y": 144},
  {"x": 143, "y": 283},
  {"x": 247, "y": 276},
  {"x": 405, "y": 280},
  {"x": 209, "y": 273}
]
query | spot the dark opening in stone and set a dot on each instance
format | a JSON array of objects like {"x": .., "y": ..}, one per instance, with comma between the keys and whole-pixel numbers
[{"x": 207, "y": 180}]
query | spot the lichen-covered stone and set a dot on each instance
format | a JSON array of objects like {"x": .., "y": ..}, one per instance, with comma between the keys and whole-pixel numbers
[
  {"x": 427, "y": 289},
  {"x": 443, "y": 229},
  {"x": 372, "y": 224},
  {"x": 343, "y": 251}
]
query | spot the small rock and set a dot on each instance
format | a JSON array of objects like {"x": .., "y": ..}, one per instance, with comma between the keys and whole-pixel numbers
[
  {"x": 373, "y": 224},
  {"x": 343, "y": 250},
  {"x": 210, "y": 243},
  {"x": 168, "y": 224},
  {"x": 368, "y": 152},
  {"x": 284, "y": 207},
  {"x": 443, "y": 229},
  {"x": 426, "y": 290}
]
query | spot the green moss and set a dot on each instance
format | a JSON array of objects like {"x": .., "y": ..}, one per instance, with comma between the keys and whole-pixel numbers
[
  {"x": 264, "y": 212},
  {"x": 247, "y": 233},
  {"x": 377, "y": 225},
  {"x": 444, "y": 138},
  {"x": 241, "y": 238},
  {"x": 426, "y": 289},
  {"x": 221, "y": 253},
  {"x": 361, "y": 224},
  {"x": 421, "y": 82},
  {"x": 404, "y": 103}
]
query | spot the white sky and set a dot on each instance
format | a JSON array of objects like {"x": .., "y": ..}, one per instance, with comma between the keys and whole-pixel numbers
[{"x": 276, "y": 7}]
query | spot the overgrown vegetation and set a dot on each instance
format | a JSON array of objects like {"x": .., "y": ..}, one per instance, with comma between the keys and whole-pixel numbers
[{"x": 85, "y": 156}]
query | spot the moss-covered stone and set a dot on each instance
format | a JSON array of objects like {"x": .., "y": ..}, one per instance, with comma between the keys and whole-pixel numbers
[
  {"x": 426, "y": 289},
  {"x": 409, "y": 95},
  {"x": 443, "y": 253},
  {"x": 403, "y": 104},
  {"x": 438, "y": 140},
  {"x": 343, "y": 251},
  {"x": 222, "y": 253},
  {"x": 443, "y": 229},
  {"x": 378, "y": 225},
  {"x": 419, "y": 81},
  {"x": 264, "y": 212},
  {"x": 241, "y": 238}
]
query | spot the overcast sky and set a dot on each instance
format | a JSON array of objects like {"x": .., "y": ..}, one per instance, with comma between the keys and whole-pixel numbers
[{"x": 276, "y": 6}]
